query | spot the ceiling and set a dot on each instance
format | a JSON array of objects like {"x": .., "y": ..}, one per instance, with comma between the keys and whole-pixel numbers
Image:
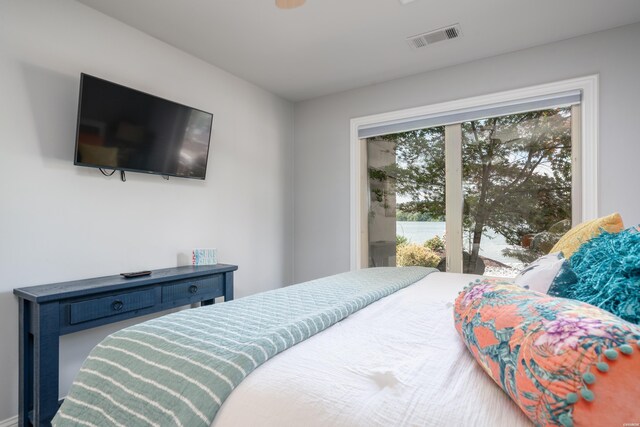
[{"x": 328, "y": 46}]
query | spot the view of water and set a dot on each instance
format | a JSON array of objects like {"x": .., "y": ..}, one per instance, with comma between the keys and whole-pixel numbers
[{"x": 491, "y": 245}]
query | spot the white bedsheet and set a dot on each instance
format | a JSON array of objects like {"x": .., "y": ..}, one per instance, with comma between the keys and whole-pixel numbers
[{"x": 398, "y": 362}]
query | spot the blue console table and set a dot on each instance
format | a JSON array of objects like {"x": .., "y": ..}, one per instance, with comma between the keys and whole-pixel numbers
[{"x": 49, "y": 311}]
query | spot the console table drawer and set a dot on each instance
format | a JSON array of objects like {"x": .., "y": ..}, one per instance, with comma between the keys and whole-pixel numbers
[
  {"x": 194, "y": 289},
  {"x": 110, "y": 306}
]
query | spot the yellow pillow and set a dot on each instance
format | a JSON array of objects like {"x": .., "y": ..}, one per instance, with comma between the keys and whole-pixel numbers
[{"x": 571, "y": 241}]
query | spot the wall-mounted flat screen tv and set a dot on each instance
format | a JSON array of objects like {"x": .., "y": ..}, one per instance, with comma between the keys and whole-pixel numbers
[{"x": 120, "y": 128}]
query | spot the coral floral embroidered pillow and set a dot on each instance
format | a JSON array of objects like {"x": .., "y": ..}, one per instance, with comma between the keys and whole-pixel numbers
[{"x": 562, "y": 361}]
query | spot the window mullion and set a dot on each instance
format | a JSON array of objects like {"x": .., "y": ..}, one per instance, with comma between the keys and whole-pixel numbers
[
  {"x": 454, "y": 200},
  {"x": 576, "y": 165}
]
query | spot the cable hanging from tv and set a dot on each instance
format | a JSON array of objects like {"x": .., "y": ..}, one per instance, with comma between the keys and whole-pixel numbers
[{"x": 123, "y": 177}]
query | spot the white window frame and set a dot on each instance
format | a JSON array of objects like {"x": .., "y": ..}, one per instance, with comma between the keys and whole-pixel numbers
[{"x": 589, "y": 132}]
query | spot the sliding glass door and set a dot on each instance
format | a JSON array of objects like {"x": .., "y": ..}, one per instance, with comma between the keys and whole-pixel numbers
[{"x": 479, "y": 196}]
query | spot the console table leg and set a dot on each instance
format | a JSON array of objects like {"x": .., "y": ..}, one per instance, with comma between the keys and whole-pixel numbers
[
  {"x": 46, "y": 346},
  {"x": 25, "y": 387},
  {"x": 228, "y": 286}
]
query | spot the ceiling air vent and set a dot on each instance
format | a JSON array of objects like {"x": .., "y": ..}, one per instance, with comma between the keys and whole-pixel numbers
[{"x": 440, "y": 35}]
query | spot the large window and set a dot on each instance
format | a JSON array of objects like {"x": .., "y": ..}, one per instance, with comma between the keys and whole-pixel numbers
[
  {"x": 479, "y": 196},
  {"x": 520, "y": 166}
]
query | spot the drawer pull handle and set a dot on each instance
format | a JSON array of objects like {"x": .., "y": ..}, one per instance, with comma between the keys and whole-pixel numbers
[
  {"x": 193, "y": 289},
  {"x": 117, "y": 305}
]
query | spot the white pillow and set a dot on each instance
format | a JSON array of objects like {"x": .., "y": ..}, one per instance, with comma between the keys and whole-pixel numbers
[{"x": 540, "y": 274}]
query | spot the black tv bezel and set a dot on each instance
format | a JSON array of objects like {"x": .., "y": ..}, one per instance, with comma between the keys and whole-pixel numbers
[{"x": 148, "y": 172}]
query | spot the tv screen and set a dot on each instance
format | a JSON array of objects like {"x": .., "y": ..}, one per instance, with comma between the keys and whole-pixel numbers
[{"x": 125, "y": 129}]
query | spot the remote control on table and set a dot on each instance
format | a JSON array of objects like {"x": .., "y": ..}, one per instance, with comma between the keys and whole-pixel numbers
[{"x": 135, "y": 274}]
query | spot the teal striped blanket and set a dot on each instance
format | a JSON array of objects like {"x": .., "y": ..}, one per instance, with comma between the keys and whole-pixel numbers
[{"x": 178, "y": 369}]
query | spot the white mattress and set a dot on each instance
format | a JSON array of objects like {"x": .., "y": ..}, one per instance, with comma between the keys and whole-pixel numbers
[{"x": 398, "y": 362}]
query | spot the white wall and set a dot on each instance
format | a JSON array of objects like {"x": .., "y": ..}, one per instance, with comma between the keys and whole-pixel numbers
[
  {"x": 321, "y": 151},
  {"x": 60, "y": 222}
]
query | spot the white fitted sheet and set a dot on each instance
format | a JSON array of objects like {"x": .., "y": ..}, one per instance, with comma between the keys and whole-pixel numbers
[{"x": 397, "y": 362}]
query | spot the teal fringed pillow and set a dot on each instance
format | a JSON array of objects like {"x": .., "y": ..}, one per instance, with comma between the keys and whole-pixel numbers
[{"x": 608, "y": 270}]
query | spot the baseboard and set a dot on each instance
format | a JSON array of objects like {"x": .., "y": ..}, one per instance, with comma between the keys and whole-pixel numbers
[{"x": 10, "y": 422}]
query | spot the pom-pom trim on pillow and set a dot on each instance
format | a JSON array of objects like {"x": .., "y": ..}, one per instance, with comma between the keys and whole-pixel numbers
[{"x": 563, "y": 362}]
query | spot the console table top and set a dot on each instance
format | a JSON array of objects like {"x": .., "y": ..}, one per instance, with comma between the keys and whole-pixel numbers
[{"x": 86, "y": 287}]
